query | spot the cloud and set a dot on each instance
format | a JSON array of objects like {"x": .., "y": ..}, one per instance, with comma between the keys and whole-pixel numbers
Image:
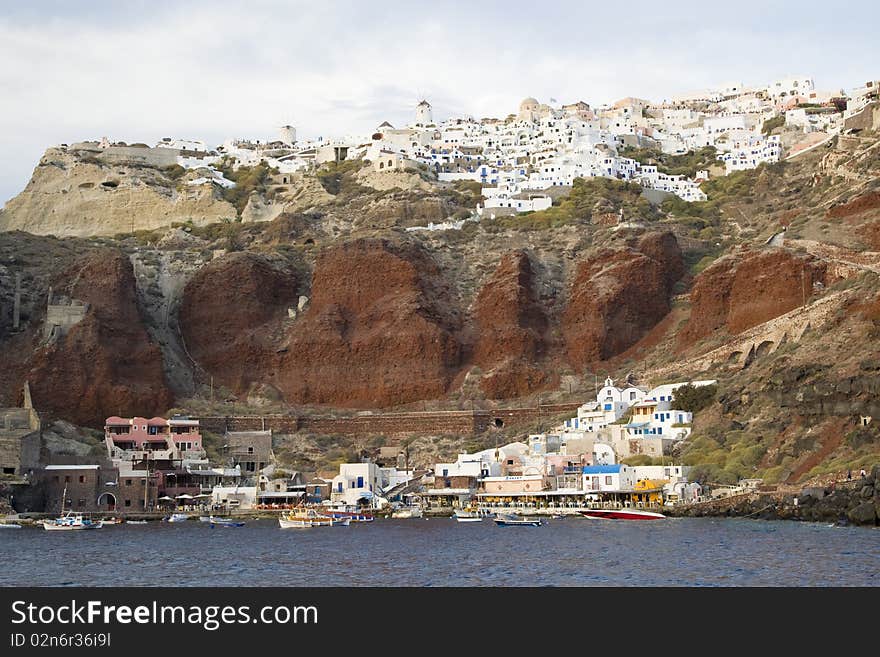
[{"x": 143, "y": 71}]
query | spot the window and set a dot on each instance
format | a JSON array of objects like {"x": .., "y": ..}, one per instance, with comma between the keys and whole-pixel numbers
[
  {"x": 250, "y": 450},
  {"x": 608, "y": 480},
  {"x": 127, "y": 502},
  {"x": 67, "y": 479},
  {"x": 128, "y": 482},
  {"x": 360, "y": 482},
  {"x": 82, "y": 479}
]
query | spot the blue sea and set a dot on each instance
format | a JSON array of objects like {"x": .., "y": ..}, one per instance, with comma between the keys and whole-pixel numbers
[{"x": 441, "y": 552}]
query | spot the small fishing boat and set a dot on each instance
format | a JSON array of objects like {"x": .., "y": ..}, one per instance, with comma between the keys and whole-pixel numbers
[
  {"x": 225, "y": 522},
  {"x": 177, "y": 517},
  {"x": 517, "y": 521},
  {"x": 462, "y": 515},
  {"x": 407, "y": 512},
  {"x": 135, "y": 522},
  {"x": 111, "y": 521},
  {"x": 621, "y": 514},
  {"x": 305, "y": 518},
  {"x": 9, "y": 525},
  {"x": 70, "y": 521},
  {"x": 353, "y": 516}
]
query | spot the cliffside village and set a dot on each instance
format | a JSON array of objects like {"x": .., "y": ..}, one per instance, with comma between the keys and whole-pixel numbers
[
  {"x": 526, "y": 159},
  {"x": 158, "y": 464}
]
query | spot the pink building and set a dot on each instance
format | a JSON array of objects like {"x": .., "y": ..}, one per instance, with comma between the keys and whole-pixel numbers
[{"x": 156, "y": 438}]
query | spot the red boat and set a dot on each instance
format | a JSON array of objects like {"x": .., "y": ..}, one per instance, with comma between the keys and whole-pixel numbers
[{"x": 621, "y": 514}]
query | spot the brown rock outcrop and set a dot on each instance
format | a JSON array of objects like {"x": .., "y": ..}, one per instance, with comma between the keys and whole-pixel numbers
[
  {"x": 618, "y": 295},
  {"x": 380, "y": 330},
  {"x": 230, "y": 314},
  {"x": 511, "y": 327},
  {"x": 747, "y": 289},
  {"x": 105, "y": 364}
]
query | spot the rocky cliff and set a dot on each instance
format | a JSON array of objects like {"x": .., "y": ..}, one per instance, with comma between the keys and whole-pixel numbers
[
  {"x": 511, "y": 330},
  {"x": 74, "y": 195},
  {"x": 617, "y": 296},
  {"x": 749, "y": 288},
  {"x": 230, "y": 314},
  {"x": 380, "y": 329},
  {"x": 105, "y": 364}
]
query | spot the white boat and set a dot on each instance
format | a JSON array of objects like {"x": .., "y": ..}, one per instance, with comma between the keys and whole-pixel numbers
[
  {"x": 517, "y": 521},
  {"x": 10, "y": 525},
  {"x": 305, "y": 518},
  {"x": 178, "y": 517},
  {"x": 70, "y": 521},
  {"x": 226, "y": 522},
  {"x": 461, "y": 515},
  {"x": 407, "y": 512},
  {"x": 135, "y": 522}
]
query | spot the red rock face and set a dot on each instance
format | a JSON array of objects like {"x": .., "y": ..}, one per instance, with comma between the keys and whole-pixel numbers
[
  {"x": 742, "y": 291},
  {"x": 379, "y": 331},
  {"x": 106, "y": 364},
  {"x": 617, "y": 296},
  {"x": 230, "y": 316},
  {"x": 511, "y": 327}
]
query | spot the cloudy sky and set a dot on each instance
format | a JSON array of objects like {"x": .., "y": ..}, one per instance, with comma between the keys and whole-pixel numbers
[{"x": 140, "y": 71}]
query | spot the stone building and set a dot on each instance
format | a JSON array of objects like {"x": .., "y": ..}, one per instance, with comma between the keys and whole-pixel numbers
[
  {"x": 252, "y": 450},
  {"x": 91, "y": 488},
  {"x": 19, "y": 437}
]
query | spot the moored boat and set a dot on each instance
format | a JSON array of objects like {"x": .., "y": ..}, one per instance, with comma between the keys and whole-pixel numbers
[
  {"x": 9, "y": 525},
  {"x": 462, "y": 515},
  {"x": 621, "y": 514},
  {"x": 305, "y": 518},
  {"x": 407, "y": 512},
  {"x": 225, "y": 522},
  {"x": 177, "y": 517},
  {"x": 70, "y": 521},
  {"x": 352, "y": 516},
  {"x": 517, "y": 521}
]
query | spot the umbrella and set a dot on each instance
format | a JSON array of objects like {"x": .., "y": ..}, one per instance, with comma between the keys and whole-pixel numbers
[
  {"x": 184, "y": 497},
  {"x": 203, "y": 495},
  {"x": 165, "y": 498}
]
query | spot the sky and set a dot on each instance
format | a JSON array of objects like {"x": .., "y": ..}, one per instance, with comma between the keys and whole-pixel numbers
[{"x": 140, "y": 71}]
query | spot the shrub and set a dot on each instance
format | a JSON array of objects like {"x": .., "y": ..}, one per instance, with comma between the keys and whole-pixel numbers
[
  {"x": 692, "y": 399},
  {"x": 773, "y": 123}
]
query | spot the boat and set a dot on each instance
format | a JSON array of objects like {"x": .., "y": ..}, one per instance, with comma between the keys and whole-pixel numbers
[
  {"x": 305, "y": 518},
  {"x": 10, "y": 525},
  {"x": 225, "y": 522},
  {"x": 462, "y": 515},
  {"x": 111, "y": 521},
  {"x": 69, "y": 521},
  {"x": 353, "y": 516},
  {"x": 407, "y": 512},
  {"x": 204, "y": 518},
  {"x": 621, "y": 514},
  {"x": 517, "y": 521},
  {"x": 177, "y": 517},
  {"x": 135, "y": 522}
]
